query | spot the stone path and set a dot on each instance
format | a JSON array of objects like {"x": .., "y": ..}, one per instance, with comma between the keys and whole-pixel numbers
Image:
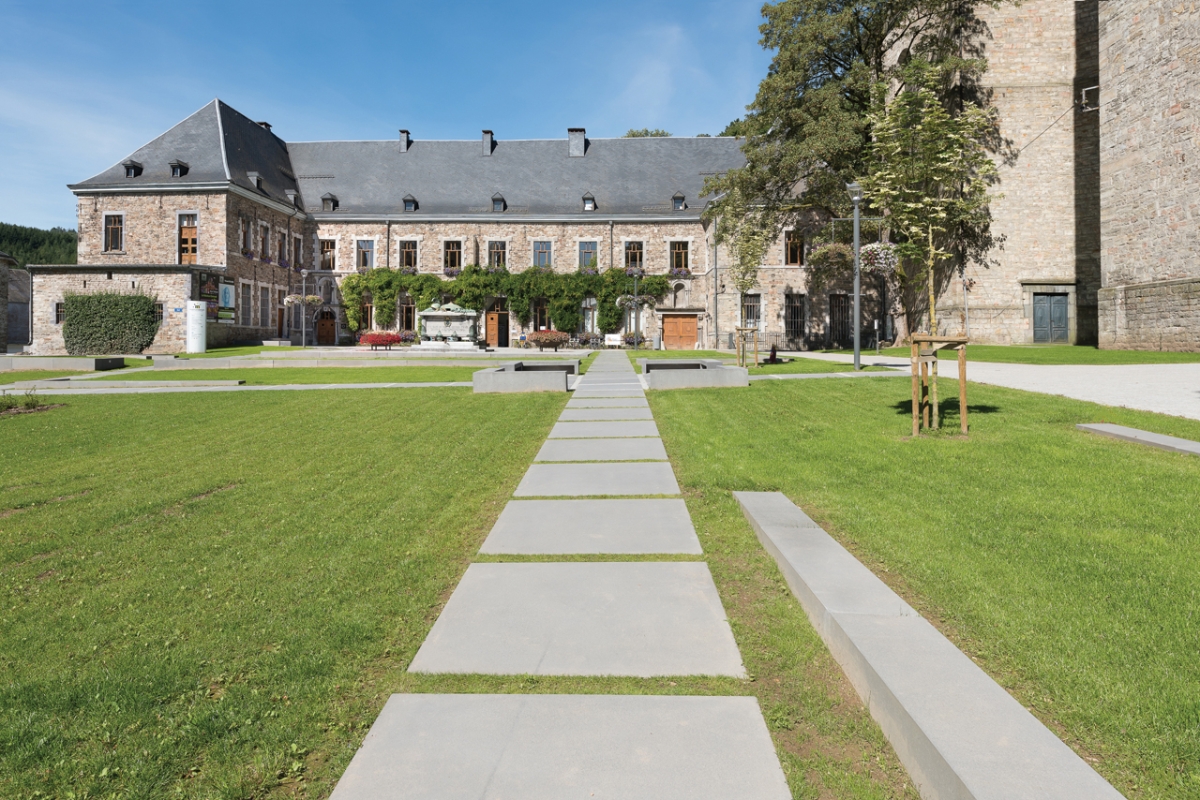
[{"x": 640, "y": 618}]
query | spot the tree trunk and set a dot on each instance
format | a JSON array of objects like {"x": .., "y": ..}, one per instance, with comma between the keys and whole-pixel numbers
[{"x": 933, "y": 372}]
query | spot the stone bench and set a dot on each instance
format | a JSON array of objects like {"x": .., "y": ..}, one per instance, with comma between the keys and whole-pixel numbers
[
  {"x": 1171, "y": 443},
  {"x": 680, "y": 373},
  {"x": 73, "y": 363},
  {"x": 525, "y": 376}
]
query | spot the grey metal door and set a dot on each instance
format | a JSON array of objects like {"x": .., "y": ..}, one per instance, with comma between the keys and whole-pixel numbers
[
  {"x": 840, "y": 323},
  {"x": 1049, "y": 318}
]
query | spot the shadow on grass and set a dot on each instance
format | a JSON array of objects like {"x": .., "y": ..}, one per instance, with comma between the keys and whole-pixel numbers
[{"x": 949, "y": 407}]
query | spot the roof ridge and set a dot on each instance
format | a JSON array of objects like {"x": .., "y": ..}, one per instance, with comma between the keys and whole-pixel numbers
[{"x": 217, "y": 103}]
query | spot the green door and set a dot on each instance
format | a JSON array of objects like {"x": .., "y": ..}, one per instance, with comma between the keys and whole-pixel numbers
[{"x": 1050, "y": 318}]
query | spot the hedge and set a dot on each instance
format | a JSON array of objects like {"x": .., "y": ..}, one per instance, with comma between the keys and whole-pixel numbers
[{"x": 105, "y": 323}]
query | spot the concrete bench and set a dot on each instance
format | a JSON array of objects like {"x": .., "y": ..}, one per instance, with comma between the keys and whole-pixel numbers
[
  {"x": 957, "y": 732},
  {"x": 1161, "y": 441},
  {"x": 524, "y": 376},
  {"x": 680, "y": 373},
  {"x": 73, "y": 363}
]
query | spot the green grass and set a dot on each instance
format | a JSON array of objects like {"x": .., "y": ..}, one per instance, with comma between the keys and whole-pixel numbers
[
  {"x": 278, "y": 376},
  {"x": 240, "y": 350},
  {"x": 213, "y": 625},
  {"x": 636, "y": 354},
  {"x": 1063, "y": 562},
  {"x": 1051, "y": 354},
  {"x": 807, "y": 366},
  {"x": 36, "y": 375}
]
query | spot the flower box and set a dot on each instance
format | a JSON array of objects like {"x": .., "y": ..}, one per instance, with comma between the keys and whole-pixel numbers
[
  {"x": 377, "y": 339},
  {"x": 544, "y": 339}
]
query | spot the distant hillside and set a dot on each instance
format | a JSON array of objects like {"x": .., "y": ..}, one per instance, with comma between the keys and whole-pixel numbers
[{"x": 37, "y": 246}]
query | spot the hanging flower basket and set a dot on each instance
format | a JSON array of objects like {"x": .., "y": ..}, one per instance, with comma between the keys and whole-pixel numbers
[{"x": 879, "y": 258}]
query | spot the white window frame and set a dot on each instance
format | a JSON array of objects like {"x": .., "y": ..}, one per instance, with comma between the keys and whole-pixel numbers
[
  {"x": 553, "y": 248},
  {"x": 412, "y": 238},
  {"x": 462, "y": 240},
  {"x": 691, "y": 243},
  {"x": 594, "y": 239},
  {"x": 374, "y": 240}
]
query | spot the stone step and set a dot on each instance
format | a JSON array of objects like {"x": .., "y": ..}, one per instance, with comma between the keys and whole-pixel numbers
[{"x": 581, "y": 480}]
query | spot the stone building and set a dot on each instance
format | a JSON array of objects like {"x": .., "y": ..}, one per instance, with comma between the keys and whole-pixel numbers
[{"x": 6, "y": 261}]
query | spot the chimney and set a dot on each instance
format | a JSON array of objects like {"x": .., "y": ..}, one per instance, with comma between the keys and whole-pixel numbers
[
  {"x": 576, "y": 142},
  {"x": 487, "y": 143},
  {"x": 403, "y": 140},
  {"x": 266, "y": 125}
]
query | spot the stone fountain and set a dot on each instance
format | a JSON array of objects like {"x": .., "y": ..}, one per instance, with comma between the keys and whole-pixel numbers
[{"x": 446, "y": 326}]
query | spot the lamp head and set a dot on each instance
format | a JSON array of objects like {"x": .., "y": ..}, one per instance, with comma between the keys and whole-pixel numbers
[{"x": 856, "y": 194}]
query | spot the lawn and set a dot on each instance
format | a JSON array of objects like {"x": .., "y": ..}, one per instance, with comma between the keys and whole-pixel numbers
[
  {"x": 240, "y": 350},
  {"x": 1063, "y": 562},
  {"x": 213, "y": 624},
  {"x": 279, "y": 376},
  {"x": 1051, "y": 354},
  {"x": 36, "y": 375},
  {"x": 793, "y": 366}
]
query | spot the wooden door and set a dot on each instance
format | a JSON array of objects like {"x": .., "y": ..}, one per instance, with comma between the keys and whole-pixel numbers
[
  {"x": 679, "y": 332},
  {"x": 497, "y": 328},
  {"x": 187, "y": 243},
  {"x": 327, "y": 328}
]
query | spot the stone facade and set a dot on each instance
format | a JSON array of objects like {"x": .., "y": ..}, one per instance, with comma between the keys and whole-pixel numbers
[{"x": 1149, "y": 123}]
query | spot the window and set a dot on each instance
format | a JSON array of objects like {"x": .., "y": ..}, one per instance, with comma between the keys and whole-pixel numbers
[
  {"x": 247, "y": 244},
  {"x": 498, "y": 202},
  {"x": 452, "y": 254},
  {"x": 264, "y": 307},
  {"x": 407, "y": 314},
  {"x": 589, "y": 202},
  {"x": 497, "y": 254},
  {"x": 541, "y": 315},
  {"x": 158, "y": 313},
  {"x": 60, "y": 313},
  {"x": 541, "y": 254},
  {"x": 633, "y": 255},
  {"x": 587, "y": 323},
  {"x": 179, "y": 169},
  {"x": 329, "y": 202},
  {"x": 297, "y": 253},
  {"x": 679, "y": 255},
  {"x": 132, "y": 169},
  {"x": 793, "y": 249},
  {"x": 365, "y": 258},
  {"x": 264, "y": 241},
  {"x": 187, "y": 238},
  {"x": 328, "y": 254},
  {"x": 410, "y": 203},
  {"x": 114, "y": 233},
  {"x": 587, "y": 255},
  {"x": 677, "y": 202},
  {"x": 408, "y": 254},
  {"x": 283, "y": 248},
  {"x": 246, "y": 304},
  {"x": 793, "y": 315},
  {"x": 751, "y": 311}
]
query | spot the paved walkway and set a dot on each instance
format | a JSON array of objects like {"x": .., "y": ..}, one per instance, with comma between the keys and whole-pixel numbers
[
  {"x": 1163, "y": 388},
  {"x": 601, "y": 484}
]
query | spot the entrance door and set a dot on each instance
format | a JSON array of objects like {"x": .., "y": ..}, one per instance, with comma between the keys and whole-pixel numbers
[
  {"x": 187, "y": 239},
  {"x": 327, "y": 328},
  {"x": 679, "y": 332},
  {"x": 279, "y": 311},
  {"x": 840, "y": 323},
  {"x": 497, "y": 328},
  {"x": 1049, "y": 318}
]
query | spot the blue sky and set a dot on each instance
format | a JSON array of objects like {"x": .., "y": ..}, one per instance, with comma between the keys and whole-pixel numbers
[{"x": 82, "y": 85}]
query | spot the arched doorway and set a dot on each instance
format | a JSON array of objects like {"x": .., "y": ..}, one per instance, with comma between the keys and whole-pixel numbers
[{"x": 326, "y": 327}]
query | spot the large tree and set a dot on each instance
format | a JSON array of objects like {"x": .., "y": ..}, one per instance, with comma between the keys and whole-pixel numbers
[{"x": 808, "y": 131}]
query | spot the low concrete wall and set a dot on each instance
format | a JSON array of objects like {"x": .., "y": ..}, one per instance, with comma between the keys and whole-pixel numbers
[
  {"x": 505, "y": 380},
  {"x": 688, "y": 374},
  {"x": 61, "y": 363},
  {"x": 957, "y": 732}
]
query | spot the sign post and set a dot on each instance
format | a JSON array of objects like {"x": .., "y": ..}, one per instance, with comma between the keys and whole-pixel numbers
[{"x": 197, "y": 326}]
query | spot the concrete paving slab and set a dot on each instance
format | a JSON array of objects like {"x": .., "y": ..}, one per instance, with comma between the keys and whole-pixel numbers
[
  {"x": 608, "y": 402},
  {"x": 598, "y": 414},
  {"x": 602, "y": 430},
  {"x": 602, "y": 450},
  {"x": 565, "y": 747},
  {"x": 529, "y": 527},
  {"x": 957, "y": 732},
  {"x": 601, "y": 393},
  {"x": 633, "y": 618},
  {"x": 580, "y": 480},
  {"x": 1172, "y": 443}
]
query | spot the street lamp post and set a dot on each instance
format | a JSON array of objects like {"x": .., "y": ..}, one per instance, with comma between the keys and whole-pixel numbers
[
  {"x": 303, "y": 312},
  {"x": 856, "y": 197}
]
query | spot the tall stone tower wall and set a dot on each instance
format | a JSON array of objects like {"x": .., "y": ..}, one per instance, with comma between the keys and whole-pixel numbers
[
  {"x": 1040, "y": 53},
  {"x": 1150, "y": 174}
]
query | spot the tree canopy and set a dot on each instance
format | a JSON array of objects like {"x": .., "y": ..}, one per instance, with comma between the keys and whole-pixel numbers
[
  {"x": 642, "y": 133},
  {"x": 38, "y": 246}
]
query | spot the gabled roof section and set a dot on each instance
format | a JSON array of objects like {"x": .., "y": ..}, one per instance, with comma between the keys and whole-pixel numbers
[
  {"x": 633, "y": 177},
  {"x": 219, "y": 145}
]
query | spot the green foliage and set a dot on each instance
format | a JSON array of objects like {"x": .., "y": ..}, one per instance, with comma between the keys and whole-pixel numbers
[
  {"x": 827, "y": 263},
  {"x": 643, "y": 133},
  {"x": 564, "y": 293},
  {"x": 736, "y": 128},
  {"x": 38, "y": 246},
  {"x": 107, "y": 322}
]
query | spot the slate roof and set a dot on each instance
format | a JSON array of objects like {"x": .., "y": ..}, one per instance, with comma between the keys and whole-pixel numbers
[
  {"x": 7, "y": 260},
  {"x": 219, "y": 145},
  {"x": 536, "y": 178}
]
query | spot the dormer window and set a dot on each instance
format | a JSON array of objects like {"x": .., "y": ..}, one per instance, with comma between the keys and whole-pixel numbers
[
  {"x": 677, "y": 202},
  {"x": 589, "y": 202},
  {"x": 293, "y": 196},
  {"x": 179, "y": 168},
  {"x": 329, "y": 202},
  {"x": 498, "y": 202},
  {"x": 256, "y": 179},
  {"x": 410, "y": 203},
  {"x": 132, "y": 168}
]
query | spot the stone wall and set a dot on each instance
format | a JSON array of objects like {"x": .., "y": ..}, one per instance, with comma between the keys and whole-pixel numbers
[
  {"x": 172, "y": 289},
  {"x": 1149, "y": 125},
  {"x": 151, "y": 227},
  {"x": 1164, "y": 315}
]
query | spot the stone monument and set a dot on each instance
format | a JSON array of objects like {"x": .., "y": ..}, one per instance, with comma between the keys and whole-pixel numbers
[{"x": 448, "y": 327}]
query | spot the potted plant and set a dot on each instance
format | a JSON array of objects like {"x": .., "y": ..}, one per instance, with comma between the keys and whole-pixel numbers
[{"x": 545, "y": 339}]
